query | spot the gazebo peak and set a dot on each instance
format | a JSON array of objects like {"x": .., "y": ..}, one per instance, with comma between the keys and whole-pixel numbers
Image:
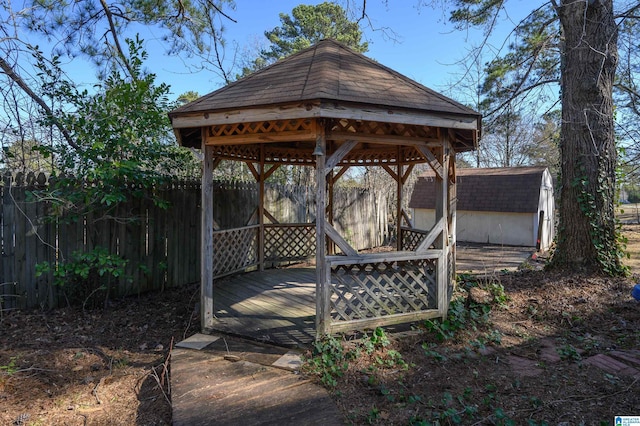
[{"x": 326, "y": 71}]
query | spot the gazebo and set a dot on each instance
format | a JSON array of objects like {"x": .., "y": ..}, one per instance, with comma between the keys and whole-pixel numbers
[{"x": 331, "y": 108}]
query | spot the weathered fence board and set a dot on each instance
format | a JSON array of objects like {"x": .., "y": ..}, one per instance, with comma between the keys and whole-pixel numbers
[{"x": 162, "y": 246}]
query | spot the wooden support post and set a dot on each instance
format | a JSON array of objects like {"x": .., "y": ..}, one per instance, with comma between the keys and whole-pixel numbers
[
  {"x": 261, "y": 210},
  {"x": 442, "y": 214},
  {"x": 323, "y": 275},
  {"x": 399, "y": 188},
  {"x": 331, "y": 247},
  {"x": 453, "y": 208},
  {"x": 206, "y": 264}
]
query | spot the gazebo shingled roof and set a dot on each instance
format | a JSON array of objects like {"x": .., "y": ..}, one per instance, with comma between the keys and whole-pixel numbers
[
  {"x": 323, "y": 81},
  {"x": 332, "y": 108}
]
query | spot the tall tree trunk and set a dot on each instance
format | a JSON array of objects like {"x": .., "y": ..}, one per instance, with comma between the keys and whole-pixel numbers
[{"x": 587, "y": 236}]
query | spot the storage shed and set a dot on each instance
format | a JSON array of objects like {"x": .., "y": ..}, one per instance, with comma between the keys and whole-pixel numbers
[{"x": 511, "y": 206}]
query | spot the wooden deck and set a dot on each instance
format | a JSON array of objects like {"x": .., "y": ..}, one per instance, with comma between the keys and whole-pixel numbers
[
  {"x": 275, "y": 306},
  {"x": 278, "y": 305}
]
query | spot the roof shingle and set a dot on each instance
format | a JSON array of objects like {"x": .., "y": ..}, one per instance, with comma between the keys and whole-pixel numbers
[
  {"x": 509, "y": 189},
  {"x": 326, "y": 71}
]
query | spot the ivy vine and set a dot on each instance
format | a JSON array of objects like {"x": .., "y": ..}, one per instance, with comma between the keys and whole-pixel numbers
[{"x": 610, "y": 248}]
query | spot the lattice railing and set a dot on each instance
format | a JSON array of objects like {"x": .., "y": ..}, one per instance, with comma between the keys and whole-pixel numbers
[
  {"x": 235, "y": 250},
  {"x": 379, "y": 289},
  {"x": 411, "y": 238},
  {"x": 289, "y": 242}
]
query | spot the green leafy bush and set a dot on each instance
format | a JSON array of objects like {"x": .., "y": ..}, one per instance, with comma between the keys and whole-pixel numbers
[{"x": 86, "y": 274}]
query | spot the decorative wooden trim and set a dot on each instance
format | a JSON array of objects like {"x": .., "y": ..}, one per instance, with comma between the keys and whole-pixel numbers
[
  {"x": 253, "y": 170},
  {"x": 432, "y": 160},
  {"x": 331, "y": 232},
  {"x": 393, "y": 256},
  {"x": 340, "y": 172},
  {"x": 407, "y": 218},
  {"x": 387, "y": 320},
  {"x": 269, "y": 216},
  {"x": 383, "y": 139},
  {"x": 390, "y": 171},
  {"x": 338, "y": 155},
  {"x": 252, "y": 218},
  {"x": 286, "y": 130},
  {"x": 359, "y": 156},
  {"x": 271, "y": 170},
  {"x": 432, "y": 235},
  {"x": 319, "y": 109},
  {"x": 407, "y": 173},
  {"x": 292, "y": 136},
  {"x": 396, "y": 115},
  {"x": 277, "y": 112}
]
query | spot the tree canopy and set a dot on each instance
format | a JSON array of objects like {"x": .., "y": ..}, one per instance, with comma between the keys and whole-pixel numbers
[{"x": 307, "y": 25}]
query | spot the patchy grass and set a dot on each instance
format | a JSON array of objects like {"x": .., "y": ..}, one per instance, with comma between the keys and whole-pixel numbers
[
  {"x": 632, "y": 233},
  {"x": 628, "y": 213}
]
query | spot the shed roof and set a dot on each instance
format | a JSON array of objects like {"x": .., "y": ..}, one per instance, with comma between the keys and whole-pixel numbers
[
  {"x": 506, "y": 189},
  {"x": 322, "y": 81}
]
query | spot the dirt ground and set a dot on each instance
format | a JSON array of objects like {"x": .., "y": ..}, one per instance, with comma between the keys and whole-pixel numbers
[
  {"x": 525, "y": 363},
  {"x": 102, "y": 367}
]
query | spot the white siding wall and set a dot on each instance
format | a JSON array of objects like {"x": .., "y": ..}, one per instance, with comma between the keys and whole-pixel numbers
[
  {"x": 513, "y": 229},
  {"x": 547, "y": 204}
]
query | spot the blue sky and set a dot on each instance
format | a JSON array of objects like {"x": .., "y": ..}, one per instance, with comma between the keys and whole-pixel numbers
[
  {"x": 426, "y": 46},
  {"x": 418, "y": 42}
]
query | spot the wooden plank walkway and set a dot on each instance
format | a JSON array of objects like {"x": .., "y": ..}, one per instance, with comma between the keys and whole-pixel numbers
[
  {"x": 234, "y": 381},
  {"x": 275, "y": 306}
]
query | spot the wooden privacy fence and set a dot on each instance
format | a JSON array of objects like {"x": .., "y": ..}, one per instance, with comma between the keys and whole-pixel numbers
[{"x": 162, "y": 246}]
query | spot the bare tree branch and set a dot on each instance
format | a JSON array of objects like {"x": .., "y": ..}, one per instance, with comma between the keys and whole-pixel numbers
[
  {"x": 116, "y": 41},
  {"x": 629, "y": 13},
  {"x": 9, "y": 71},
  {"x": 219, "y": 11}
]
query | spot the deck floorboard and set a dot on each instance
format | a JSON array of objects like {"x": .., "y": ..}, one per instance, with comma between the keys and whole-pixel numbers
[{"x": 276, "y": 306}]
